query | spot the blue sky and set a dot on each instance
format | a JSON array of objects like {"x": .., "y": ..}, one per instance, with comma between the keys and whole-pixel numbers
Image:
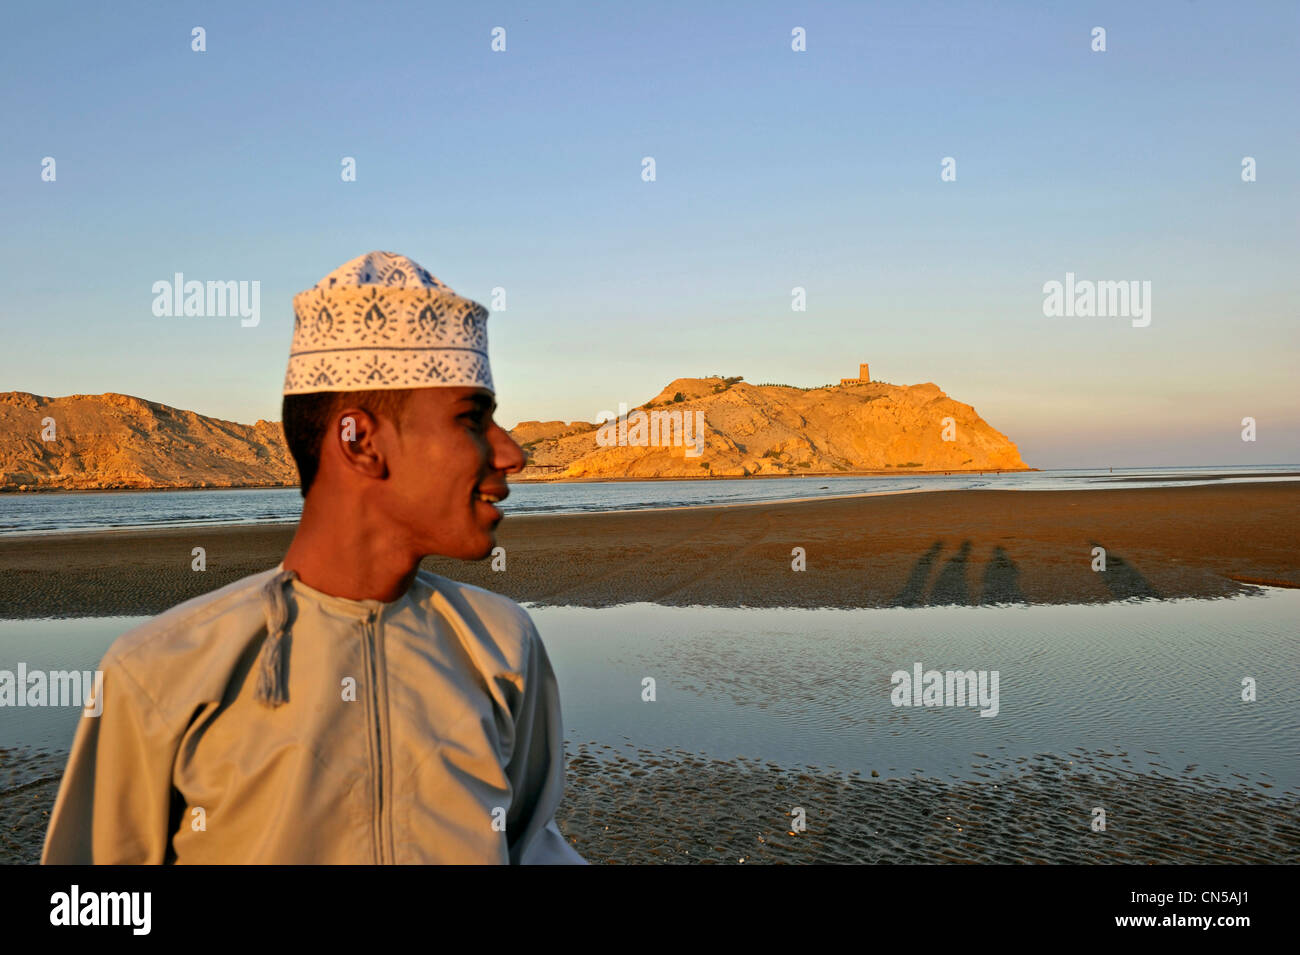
[{"x": 775, "y": 169}]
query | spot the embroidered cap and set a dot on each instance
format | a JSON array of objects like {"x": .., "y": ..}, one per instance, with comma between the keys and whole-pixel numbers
[{"x": 382, "y": 322}]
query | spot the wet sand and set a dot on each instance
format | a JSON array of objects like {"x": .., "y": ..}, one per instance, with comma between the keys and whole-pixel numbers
[
  {"x": 29, "y": 781},
  {"x": 963, "y": 547},
  {"x": 942, "y": 547},
  {"x": 636, "y": 806}
]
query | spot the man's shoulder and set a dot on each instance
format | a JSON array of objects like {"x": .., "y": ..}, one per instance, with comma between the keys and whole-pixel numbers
[
  {"x": 232, "y": 608},
  {"x": 499, "y": 623}
]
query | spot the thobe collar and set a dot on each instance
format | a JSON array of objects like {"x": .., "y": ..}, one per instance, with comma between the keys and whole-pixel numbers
[
  {"x": 355, "y": 608},
  {"x": 272, "y": 682}
]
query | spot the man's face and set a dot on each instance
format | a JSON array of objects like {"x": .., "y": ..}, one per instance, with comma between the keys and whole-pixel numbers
[{"x": 447, "y": 456}]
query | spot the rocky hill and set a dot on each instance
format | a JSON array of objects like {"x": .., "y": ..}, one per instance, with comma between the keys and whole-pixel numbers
[
  {"x": 117, "y": 441},
  {"x": 772, "y": 430}
]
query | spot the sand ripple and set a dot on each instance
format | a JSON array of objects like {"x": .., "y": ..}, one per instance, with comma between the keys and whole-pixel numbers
[{"x": 638, "y": 806}]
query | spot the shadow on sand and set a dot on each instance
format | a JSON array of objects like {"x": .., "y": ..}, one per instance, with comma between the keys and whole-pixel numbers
[{"x": 1000, "y": 582}]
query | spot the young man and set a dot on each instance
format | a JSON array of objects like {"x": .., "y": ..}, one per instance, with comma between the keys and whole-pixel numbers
[{"x": 346, "y": 706}]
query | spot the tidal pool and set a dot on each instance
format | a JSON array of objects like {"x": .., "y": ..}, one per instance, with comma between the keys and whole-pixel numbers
[
  {"x": 1149, "y": 686},
  {"x": 1144, "y": 686}
]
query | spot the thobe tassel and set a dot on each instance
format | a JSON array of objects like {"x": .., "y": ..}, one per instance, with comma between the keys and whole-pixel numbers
[{"x": 271, "y": 689}]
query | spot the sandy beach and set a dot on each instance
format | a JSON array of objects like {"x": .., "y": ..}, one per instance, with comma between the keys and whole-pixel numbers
[
  {"x": 630, "y": 805},
  {"x": 942, "y": 547}
]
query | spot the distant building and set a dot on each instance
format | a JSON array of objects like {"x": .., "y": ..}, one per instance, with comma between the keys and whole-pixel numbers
[{"x": 864, "y": 376}]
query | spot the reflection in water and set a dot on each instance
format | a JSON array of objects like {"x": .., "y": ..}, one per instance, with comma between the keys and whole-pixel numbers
[{"x": 1146, "y": 686}]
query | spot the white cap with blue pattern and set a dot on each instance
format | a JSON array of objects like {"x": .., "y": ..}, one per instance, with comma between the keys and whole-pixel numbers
[{"x": 382, "y": 322}]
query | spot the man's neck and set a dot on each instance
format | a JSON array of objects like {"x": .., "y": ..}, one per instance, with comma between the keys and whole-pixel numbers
[{"x": 340, "y": 554}]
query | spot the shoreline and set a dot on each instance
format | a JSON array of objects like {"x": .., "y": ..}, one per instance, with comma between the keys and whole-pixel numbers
[
  {"x": 44, "y": 489},
  {"x": 1190, "y": 481},
  {"x": 522, "y": 478},
  {"x": 534, "y": 479},
  {"x": 820, "y": 475},
  {"x": 941, "y": 547}
]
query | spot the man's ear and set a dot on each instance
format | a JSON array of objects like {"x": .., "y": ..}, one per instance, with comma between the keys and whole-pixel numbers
[{"x": 354, "y": 439}]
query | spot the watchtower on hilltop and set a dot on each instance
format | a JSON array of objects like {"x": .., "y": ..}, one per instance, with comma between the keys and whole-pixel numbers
[{"x": 864, "y": 376}]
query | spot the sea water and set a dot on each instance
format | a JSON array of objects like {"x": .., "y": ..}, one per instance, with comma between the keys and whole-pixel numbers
[{"x": 35, "y": 513}]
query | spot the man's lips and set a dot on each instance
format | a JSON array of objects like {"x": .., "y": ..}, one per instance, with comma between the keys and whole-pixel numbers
[
  {"x": 498, "y": 491},
  {"x": 484, "y": 492}
]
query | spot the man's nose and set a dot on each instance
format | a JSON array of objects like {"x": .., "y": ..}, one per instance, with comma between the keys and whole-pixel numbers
[{"x": 507, "y": 455}]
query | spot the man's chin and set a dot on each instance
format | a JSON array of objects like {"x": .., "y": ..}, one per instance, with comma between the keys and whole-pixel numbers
[
  {"x": 473, "y": 545},
  {"x": 478, "y": 551}
]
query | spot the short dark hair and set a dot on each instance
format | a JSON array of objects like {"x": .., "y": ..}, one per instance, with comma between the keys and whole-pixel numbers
[{"x": 306, "y": 419}]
